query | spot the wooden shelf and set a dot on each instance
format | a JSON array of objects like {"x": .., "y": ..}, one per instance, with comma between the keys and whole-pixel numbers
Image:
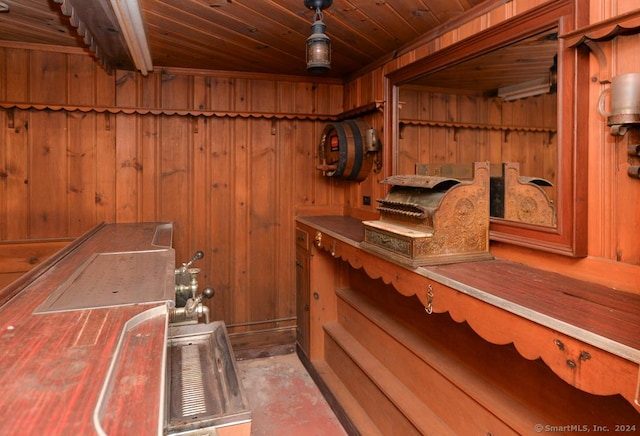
[
  {"x": 423, "y": 366},
  {"x": 350, "y": 413},
  {"x": 354, "y": 364},
  {"x": 505, "y": 129},
  {"x": 166, "y": 111},
  {"x": 352, "y": 113},
  {"x": 457, "y": 125},
  {"x": 359, "y": 111}
]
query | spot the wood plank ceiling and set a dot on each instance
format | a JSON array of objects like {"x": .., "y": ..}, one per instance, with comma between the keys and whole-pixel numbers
[
  {"x": 266, "y": 36},
  {"x": 529, "y": 59}
]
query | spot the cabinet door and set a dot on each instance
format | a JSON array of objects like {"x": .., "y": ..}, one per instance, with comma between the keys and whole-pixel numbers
[{"x": 302, "y": 299}]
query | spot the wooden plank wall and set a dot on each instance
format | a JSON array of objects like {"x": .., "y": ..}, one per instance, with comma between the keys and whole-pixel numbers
[
  {"x": 366, "y": 89},
  {"x": 18, "y": 257},
  {"x": 231, "y": 183},
  {"x": 614, "y": 197},
  {"x": 535, "y": 150}
]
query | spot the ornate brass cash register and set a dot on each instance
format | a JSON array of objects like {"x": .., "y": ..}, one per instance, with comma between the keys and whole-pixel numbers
[
  {"x": 427, "y": 220},
  {"x": 512, "y": 196},
  {"x": 519, "y": 198}
]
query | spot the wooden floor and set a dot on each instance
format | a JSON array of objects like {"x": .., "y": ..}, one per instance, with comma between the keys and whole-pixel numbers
[{"x": 284, "y": 399}]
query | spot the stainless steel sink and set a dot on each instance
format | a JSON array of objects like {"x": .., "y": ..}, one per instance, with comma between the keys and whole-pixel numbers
[{"x": 205, "y": 391}]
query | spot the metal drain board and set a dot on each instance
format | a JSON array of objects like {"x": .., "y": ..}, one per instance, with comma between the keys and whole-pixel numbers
[
  {"x": 115, "y": 279},
  {"x": 205, "y": 391},
  {"x": 192, "y": 393}
]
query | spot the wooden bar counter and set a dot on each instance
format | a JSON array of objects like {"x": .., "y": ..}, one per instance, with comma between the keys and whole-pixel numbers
[
  {"x": 83, "y": 339},
  {"x": 485, "y": 347}
]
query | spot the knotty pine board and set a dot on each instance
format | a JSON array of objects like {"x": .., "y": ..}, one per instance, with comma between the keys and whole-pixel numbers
[{"x": 231, "y": 185}]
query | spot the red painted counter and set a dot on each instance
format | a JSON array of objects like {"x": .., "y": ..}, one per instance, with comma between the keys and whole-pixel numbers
[{"x": 88, "y": 370}]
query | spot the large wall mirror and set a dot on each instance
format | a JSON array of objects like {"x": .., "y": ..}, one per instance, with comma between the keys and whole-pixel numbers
[{"x": 508, "y": 96}]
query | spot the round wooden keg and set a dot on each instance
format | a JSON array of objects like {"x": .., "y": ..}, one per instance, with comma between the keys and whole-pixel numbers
[{"x": 342, "y": 151}]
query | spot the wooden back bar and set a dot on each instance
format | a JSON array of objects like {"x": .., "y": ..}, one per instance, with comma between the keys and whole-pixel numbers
[{"x": 585, "y": 333}]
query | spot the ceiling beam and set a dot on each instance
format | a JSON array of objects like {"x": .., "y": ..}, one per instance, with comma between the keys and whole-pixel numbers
[
  {"x": 132, "y": 26},
  {"x": 113, "y": 30}
]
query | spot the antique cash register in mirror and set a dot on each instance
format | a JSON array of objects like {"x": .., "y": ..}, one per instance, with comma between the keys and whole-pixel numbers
[{"x": 507, "y": 96}]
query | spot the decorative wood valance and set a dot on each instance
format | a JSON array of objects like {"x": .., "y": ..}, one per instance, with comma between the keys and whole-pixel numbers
[
  {"x": 481, "y": 126},
  {"x": 593, "y": 35},
  {"x": 167, "y": 111},
  {"x": 456, "y": 125},
  {"x": 352, "y": 113},
  {"x": 625, "y": 24}
]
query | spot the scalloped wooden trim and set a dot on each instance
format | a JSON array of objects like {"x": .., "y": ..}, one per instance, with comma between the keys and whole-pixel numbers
[
  {"x": 594, "y": 35},
  {"x": 359, "y": 111},
  {"x": 68, "y": 10},
  {"x": 163, "y": 111},
  {"x": 584, "y": 366},
  {"x": 625, "y": 24},
  {"x": 434, "y": 123}
]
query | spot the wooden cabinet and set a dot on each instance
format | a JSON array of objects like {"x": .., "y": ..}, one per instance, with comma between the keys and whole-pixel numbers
[
  {"x": 303, "y": 289},
  {"x": 486, "y": 347}
]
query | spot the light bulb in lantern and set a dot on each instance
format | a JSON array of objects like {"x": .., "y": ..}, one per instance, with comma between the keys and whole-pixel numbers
[{"x": 318, "y": 47}]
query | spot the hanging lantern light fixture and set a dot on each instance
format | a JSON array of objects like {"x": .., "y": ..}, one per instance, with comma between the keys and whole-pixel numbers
[{"x": 318, "y": 44}]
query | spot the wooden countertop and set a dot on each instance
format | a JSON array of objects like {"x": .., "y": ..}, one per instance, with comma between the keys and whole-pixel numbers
[
  {"x": 596, "y": 314},
  {"x": 90, "y": 369},
  {"x": 600, "y": 313},
  {"x": 564, "y": 321}
]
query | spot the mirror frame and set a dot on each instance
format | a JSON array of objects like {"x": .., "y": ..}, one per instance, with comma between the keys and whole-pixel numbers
[{"x": 569, "y": 237}]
